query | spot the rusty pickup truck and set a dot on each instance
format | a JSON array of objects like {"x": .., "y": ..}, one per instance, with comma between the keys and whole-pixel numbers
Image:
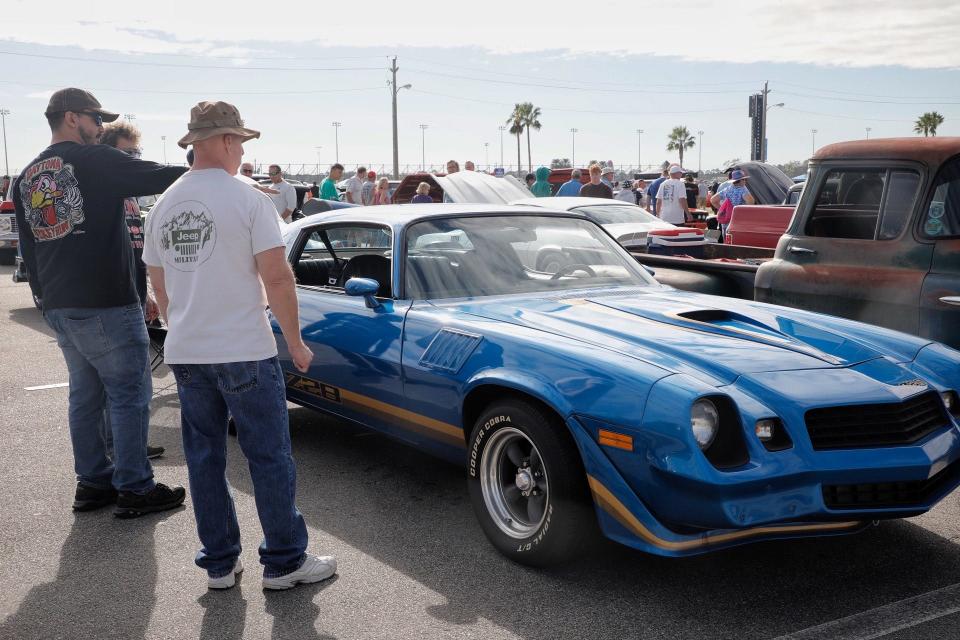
[{"x": 875, "y": 238}]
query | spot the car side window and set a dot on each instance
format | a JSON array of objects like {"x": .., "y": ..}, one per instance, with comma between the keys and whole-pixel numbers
[
  {"x": 942, "y": 217},
  {"x": 848, "y": 204},
  {"x": 331, "y": 255}
]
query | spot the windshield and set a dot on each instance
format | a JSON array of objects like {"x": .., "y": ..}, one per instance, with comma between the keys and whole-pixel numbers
[
  {"x": 617, "y": 214},
  {"x": 496, "y": 255}
]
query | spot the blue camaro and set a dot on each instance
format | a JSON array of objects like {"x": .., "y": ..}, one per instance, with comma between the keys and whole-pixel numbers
[{"x": 588, "y": 394}]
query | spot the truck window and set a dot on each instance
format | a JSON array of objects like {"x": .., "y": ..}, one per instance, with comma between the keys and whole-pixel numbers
[
  {"x": 849, "y": 200},
  {"x": 942, "y": 218}
]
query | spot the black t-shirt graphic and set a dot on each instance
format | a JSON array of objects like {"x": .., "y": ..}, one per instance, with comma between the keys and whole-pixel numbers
[{"x": 74, "y": 235}]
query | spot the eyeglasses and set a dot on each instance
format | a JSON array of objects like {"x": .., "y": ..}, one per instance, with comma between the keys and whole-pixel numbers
[
  {"x": 97, "y": 118},
  {"x": 274, "y": 173},
  {"x": 250, "y": 171}
]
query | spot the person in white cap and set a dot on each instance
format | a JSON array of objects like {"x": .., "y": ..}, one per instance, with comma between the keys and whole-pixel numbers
[
  {"x": 216, "y": 259},
  {"x": 672, "y": 197}
]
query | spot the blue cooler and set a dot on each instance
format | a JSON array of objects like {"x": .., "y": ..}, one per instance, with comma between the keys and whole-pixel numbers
[{"x": 681, "y": 241}]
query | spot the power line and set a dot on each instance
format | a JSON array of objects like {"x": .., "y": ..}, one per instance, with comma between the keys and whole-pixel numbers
[
  {"x": 861, "y": 100},
  {"x": 835, "y": 115},
  {"x": 866, "y": 95},
  {"x": 184, "y": 66},
  {"x": 205, "y": 90}
]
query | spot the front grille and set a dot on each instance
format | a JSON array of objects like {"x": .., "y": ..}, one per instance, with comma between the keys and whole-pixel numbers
[
  {"x": 876, "y": 425},
  {"x": 885, "y": 495}
]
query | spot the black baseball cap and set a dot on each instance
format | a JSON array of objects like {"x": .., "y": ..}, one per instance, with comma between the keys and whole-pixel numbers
[{"x": 77, "y": 100}]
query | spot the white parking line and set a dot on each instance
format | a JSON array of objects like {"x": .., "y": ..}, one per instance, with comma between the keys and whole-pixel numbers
[
  {"x": 890, "y": 618},
  {"x": 48, "y": 386}
]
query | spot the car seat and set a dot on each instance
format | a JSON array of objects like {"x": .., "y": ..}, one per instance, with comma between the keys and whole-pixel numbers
[{"x": 373, "y": 266}]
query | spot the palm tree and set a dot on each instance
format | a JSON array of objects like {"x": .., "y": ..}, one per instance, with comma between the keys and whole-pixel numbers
[
  {"x": 530, "y": 115},
  {"x": 679, "y": 140},
  {"x": 516, "y": 127},
  {"x": 927, "y": 123}
]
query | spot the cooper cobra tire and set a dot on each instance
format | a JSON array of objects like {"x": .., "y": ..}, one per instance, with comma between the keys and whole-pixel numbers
[{"x": 527, "y": 485}]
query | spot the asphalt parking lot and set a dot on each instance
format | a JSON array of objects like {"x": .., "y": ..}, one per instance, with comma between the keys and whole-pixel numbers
[{"x": 413, "y": 562}]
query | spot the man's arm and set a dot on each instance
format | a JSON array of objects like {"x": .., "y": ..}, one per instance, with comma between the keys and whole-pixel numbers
[
  {"x": 159, "y": 289},
  {"x": 127, "y": 176},
  {"x": 279, "y": 284},
  {"x": 290, "y": 199}
]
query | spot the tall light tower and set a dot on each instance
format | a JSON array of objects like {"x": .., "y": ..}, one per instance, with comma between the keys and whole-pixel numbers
[
  {"x": 573, "y": 148},
  {"x": 129, "y": 117},
  {"x": 700, "y": 149},
  {"x": 423, "y": 147},
  {"x": 163, "y": 144},
  {"x": 868, "y": 132},
  {"x": 813, "y": 142},
  {"x": 317, "y": 149},
  {"x": 639, "y": 138},
  {"x": 336, "y": 141},
  {"x": 6, "y": 163},
  {"x": 394, "y": 89},
  {"x": 486, "y": 155},
  {"x": 502, "y": 129}
]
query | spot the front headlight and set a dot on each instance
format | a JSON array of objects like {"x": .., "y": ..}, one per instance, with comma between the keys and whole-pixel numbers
[
  {"x": 5, "y": 225},
  {"x": 704, "y": 422},
  {"x": 951, "y": 402}
]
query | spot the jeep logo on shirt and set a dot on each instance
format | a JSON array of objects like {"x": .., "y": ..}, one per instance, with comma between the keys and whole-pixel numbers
[{"x": 187, "y": 236}]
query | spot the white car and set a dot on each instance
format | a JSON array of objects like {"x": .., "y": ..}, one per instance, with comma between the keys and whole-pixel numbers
[{"x": 628, "y": 223}]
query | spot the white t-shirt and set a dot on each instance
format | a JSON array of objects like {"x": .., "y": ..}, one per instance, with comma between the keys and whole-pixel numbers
[
  {"x": 627, "y": 195},
  {"x": 286, "y": 199},
  {"x": 355, "y": 188},
  {"x": 671, "y": 192},
  {"x": 204, "y": 232}
]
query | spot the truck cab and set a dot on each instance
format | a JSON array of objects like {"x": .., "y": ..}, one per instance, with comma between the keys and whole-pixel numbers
[{"x": 876, "y": 237}]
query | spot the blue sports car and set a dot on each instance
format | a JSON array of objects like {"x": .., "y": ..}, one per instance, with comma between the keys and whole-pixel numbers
[{"x": 591, "y": 395}]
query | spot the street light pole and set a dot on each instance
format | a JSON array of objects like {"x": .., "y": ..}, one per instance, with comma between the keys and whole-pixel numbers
[
  {"x": 318, "y": 160},
  {"x": 813, "y": 142},
  {"x": 700, "y": 154},
  {"x": 336, "y": 141},
  {"x": 502, "y": 129},
  {"x": 163, "y": 142},
  {"x": 486, "y": 155},
  {"x": 639, "y": 137},
  {"x": 129, "y": 117},
  {"x": 423, "y": 147},
  {"x": 573, "y": 151},
  {"x": 868, "y": 132},
  {"x": 394, "y": 89},
  {"x": 6, "y": 163}
]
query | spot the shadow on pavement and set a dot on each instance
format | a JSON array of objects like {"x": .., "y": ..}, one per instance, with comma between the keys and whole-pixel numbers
[
  {"x": 295, "y": 613},
  {"x": 412, "y": 512},
  {"x": 31, "y": 318},
  {"x": 105, "y": 584}
]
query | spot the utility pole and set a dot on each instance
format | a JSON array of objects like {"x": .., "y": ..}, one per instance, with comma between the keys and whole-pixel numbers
[
  {"x": 423, "y": 147},
  {"x": 813, "y": 142},
  {"x": 763, "y": 124},
  {"x": 573, "y": 152},
  {"x": 336, "y": 141},
  {"x": 700, "y": 150},
  {"x": 318, "y": 161},
  {"x": 502, "y": 129},
  {"x": 394, "y": 89},
  {"x": 639, "y": 137},
  {"x": 486, "y": 154},
  {"x": 163, "y": 142},
  {"x": 6, "y": 163}
]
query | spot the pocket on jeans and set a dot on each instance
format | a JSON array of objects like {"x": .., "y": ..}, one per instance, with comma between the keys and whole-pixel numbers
[
  {"x": 86, "y": 335},
  {"x": 180, "y": 373},
  {"x": 237, "y": 377}
]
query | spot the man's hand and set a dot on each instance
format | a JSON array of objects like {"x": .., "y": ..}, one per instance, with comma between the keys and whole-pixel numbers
[
  {"x": 153, "y": 309},
  {"x": 301, "y": 356}
]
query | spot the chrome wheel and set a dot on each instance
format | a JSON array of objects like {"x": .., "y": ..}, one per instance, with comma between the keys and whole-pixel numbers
[{"x": 514, "y": 483}]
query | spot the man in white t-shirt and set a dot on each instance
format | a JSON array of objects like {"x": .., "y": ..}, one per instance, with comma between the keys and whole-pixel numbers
[
  {"x": 216, "y": 259},
  {"x": 285, "y": 200},
  {"x": 354, "y": 185},
  {"x": 672, "y": 197}
]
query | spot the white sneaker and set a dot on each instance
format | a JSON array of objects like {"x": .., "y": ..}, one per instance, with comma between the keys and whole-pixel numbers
[
  {"x": 227, "y": 581},
  {"x": 313, "y": 569}
]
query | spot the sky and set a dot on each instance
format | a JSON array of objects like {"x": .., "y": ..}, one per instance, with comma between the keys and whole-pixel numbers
[{"x": 607, "y": 70}]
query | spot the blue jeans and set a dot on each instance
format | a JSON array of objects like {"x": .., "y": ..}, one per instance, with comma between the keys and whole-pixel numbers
[
  {"x": 254, "y": 394},
  {"x": 106, "y": 354}
]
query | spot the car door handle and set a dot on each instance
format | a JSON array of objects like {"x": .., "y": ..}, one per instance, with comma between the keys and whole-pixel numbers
[
  {"x": 802, "y": 250},
  {"x": 954, "y": 300}
]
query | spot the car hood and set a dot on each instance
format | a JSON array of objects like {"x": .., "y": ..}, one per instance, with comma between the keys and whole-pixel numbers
[
  {"x": 634, "y": 232},
  {"x": 711, "y": 340}
]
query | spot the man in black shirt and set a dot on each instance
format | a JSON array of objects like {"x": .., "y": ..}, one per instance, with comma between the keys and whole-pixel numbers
[
  {"x": 595, "y": 188},
  {"x": 76, "y": 244}
]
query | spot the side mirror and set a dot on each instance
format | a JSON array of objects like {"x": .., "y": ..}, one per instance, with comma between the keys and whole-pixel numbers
[{"x": 365, "y": 287}]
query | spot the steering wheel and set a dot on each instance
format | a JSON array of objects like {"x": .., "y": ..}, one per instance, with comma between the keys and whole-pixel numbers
[{"x": 572, "y": 268}]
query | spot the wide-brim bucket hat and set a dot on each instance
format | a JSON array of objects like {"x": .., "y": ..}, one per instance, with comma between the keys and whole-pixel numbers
[{"x": 208, "y": 119}]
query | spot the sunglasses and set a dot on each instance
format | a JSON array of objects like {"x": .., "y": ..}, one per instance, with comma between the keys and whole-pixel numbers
[
  {"x": 97, "y": 118},
  {"x": 274, "y": 173},
  {"x": 246, "y": 171}
]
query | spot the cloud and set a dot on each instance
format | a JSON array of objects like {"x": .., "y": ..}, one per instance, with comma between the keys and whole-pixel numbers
[
  {"x": 41, "y": 95},
  {"x": 849, "y": 33}
]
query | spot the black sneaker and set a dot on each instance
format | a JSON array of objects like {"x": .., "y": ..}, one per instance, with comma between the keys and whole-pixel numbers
[
  {"x": 161, "y": 498},
  {"x": 154, "y": 451},
  {"x": 90, "y": 498}
]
